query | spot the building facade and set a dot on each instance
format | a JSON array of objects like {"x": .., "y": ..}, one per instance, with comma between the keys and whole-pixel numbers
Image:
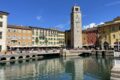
[
  {"x": 42, "y": 37},
  {"x": 19, "y": 36},
  {"x": 106, "y": 34},
  {"x": 84, "y": 38},
  {"x": 76, "y": 28},
  {"x": 110, "y": 32},
  {"x": 3, "y": 31},
  {"x": 34, "y": 37},
  {"x": 68, "y": 38},
  {"x": 90, "y": 37}
]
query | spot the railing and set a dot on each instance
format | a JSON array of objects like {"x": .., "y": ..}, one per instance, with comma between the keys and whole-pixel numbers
[{"x": 32, "y": 52}]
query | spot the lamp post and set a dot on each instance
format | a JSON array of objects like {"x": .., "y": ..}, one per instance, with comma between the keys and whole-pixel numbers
[
  {"x": 64, "y": 45},
  {"x": 97, "y": 40},
  {"x": 46, "y": 40},
  {"x": 118, "y": 42}
]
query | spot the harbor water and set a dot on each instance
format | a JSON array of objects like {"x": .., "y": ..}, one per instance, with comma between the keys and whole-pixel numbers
[{"x": 69, "y": 68}]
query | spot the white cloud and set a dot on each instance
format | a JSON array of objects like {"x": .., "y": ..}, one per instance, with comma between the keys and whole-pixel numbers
[
  {"x": 67, "y": 26},
  {"x": 38, "y": 17},
  {"x": 91, "y": 25},
  {"x": 101, "y": 23},
  {"x": 113, "y": 3},
  {"x": 63, "y": 27},
  {"x": 60, "y": 26}
]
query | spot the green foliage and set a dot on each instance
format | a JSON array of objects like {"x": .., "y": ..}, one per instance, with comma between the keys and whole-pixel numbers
[
  {"x": 36, "y": 40},
  {"x": 46, "y": 41}
]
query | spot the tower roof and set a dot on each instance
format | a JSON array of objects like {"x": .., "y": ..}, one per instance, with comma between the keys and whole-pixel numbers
[{"x": 76, "y": 9}]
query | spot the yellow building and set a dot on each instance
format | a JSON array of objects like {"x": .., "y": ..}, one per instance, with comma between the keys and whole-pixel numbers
[
  {"x": 84, "y": 38},
  {"x": 19, "y": 36},
  {"x": 110, "y": 32},
  {"x": 61, "y": 39},
  {"x": 42, "y": 37}
]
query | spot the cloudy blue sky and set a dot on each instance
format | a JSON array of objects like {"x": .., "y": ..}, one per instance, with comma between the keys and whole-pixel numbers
[{"x": 56, "y": 13}]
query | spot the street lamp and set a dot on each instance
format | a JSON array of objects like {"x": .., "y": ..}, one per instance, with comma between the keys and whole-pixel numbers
[
  {"x": 65, "y": 45},
  {"x": 97, "y": 44},
  {"x": 46, "y": 40},
  {"x": 118, "y": 41}
]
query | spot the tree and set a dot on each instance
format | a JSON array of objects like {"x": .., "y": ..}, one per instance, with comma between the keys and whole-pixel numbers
[
  {"x": 36, "y": 40},
  {"x": 46, "y": 41}
]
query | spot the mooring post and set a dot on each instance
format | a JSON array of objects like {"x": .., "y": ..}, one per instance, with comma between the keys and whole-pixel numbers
[
  {"x": 103, "y": 53},
  {"x": 96, "y": 53}
]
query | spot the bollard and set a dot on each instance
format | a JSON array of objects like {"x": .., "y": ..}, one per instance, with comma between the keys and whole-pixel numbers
[
  {"x": 103, "y": 53},
  {"x": 96, "y": 53}
]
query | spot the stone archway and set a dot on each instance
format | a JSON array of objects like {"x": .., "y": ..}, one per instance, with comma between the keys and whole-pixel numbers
[
  {"x": 12, "y": 58},
  {"x": 27, "y": 56},
  {"x": 20, "y": 57},
  {"x": 3, "y": 59}
]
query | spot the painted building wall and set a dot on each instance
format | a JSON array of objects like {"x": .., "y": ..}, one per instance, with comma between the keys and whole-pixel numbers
[
  {"x": 42, "y": 37},
  {"x": 104, "y": 34},
  {"x": 110, "y": 32},
  {"x": 115, "y": 34},
  {"x": 84, "y": 38},
  {"x": 19, "y": 36},
  {"x": 3, "y": 29},
  {"x": 89, "y": 36}
]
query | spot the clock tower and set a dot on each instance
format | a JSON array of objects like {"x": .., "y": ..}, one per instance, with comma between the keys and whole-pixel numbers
[{"x": 76, "y": 28}]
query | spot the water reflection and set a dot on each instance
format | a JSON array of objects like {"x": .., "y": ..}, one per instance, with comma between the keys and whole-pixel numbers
[
  {"x": 115, "y": 72},
  {"x": 70, "y": 68},
  {"x": 97, "y": 68}
]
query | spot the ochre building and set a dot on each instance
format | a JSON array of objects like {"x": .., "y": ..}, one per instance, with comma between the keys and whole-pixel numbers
[
  {"x": 110, "y": 32},
  {"x": 19, "y": 36},
  {"x": 42, "y": 37}
]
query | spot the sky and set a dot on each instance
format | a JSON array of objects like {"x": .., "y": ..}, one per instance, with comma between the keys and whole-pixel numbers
[{"x": 56, "y": 13}]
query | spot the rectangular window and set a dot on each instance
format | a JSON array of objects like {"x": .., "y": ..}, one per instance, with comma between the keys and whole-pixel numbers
[
  {"x": 1, "y": 16},
  {"x": 76, "y": 9},
  {"x": 14, "y": 30},
  {"x": 33, "y": 42},
  {"x": 1, "y": 24},
  {"x": 36, "y": 33},
  {"x": 0, "y": 35},
  {"x": 0, "y": 47},
  {"x": 8, "y": 30},
  {"x": 33, "y": 32},
  {"x": 114, "y": 36},
  {"x": 113, "y": 28},
  {"x": 18, "y": 43}
]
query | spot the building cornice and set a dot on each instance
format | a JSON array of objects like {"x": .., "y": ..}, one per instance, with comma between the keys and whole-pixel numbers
[{"x": 4, "y": 13}]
